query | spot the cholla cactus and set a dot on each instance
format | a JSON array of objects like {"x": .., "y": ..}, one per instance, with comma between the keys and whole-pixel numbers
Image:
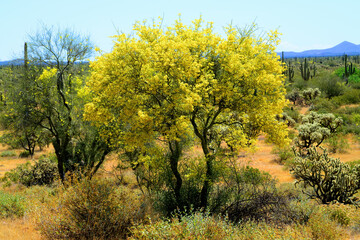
[
  {"x": 327, "y": 120},
  {"x": 295, "y": 97},
  {"x": 311, "y": 134},
  {"x": 310, "y": 95},
  {"x": 332, "y": 180},
  {"x": 315, "y": 128}
]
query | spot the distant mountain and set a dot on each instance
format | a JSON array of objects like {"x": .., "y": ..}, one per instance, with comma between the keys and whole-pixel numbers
[
  {"x": 17, "y": 62},
  {"x": 12, "y": 62},
  {"x": 340, "y": 49}
]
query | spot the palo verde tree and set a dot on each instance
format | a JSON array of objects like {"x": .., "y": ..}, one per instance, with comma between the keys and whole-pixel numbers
[
  {"x": 161, "y": 85},
  {"x": 56, "y": 105}
]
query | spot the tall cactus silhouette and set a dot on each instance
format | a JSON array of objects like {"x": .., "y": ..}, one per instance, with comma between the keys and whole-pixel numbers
[
  {"x": 26, "y": 60},
  {"x": 307, "y": 71},
  {"x": 290, "y": 72},
  {"x": 349, "y": 70}
]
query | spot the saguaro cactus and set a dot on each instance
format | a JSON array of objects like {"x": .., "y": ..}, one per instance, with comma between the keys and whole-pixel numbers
[
  {"x": 349, "y": 70},
  {"x": 290, "y": 72},
  {"x": 307, "y": 71},
  {"x": 26, "y": 60}
]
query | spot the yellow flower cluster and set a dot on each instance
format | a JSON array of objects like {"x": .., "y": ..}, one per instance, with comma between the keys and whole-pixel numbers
[{"x": 155, "y": 81}]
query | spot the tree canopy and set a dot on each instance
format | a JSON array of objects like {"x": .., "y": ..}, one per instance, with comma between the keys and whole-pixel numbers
[{"x": 165, "y": 84}]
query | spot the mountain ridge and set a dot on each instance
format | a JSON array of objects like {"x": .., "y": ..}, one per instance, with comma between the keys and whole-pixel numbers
[{"x": 342, "y": 48}]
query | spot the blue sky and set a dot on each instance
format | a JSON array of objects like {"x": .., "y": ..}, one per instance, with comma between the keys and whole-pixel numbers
[{"x": 305, "y": 24}]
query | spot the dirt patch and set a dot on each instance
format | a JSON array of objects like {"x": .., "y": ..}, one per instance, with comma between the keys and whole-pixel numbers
[
  {"x": 303, "y": 110},
  {"x": 265, "y": 160},
  {"x": 350, "y": 106}
]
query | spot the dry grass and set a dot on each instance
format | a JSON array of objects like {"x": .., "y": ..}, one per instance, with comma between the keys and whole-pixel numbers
[
  {"x": 16, "y": 229},
  {"x": 352, "y": 154},
  {"x": 265, "y": 160},
  {"x": 350, "y": 106},
  {"x": 262, "y": 159}
]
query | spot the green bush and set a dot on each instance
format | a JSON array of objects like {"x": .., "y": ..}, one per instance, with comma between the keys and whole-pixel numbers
[
  {"x": 92, "y": 210},
  {"x": 337, "y": 143},
  {"x": 332, "y": 86},
  {"x": 354, "y": 79},
  {"x": 24, "y": 154},
  {"x": 7, "y": 154},
  {"x": 193, "y": 226},
  {"x": 285, "y": 155},
  {"x": 324, "y": 228},
  {"x": 10, "y": 141},
  {"x": 350, "y": 96},
  {"x": 324, "y": 105},
  {"x": 43, "y": 172},
  {"x": 11, "y": 205},
  {"x": 193, "y": 171},
  {"x": 292, "y": 113},
  {"x": 340, "y": 216}
]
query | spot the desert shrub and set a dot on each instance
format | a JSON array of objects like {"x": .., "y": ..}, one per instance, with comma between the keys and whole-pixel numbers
[
  {"x": 7, "y": 154},
  {"x": 355, "y": 85},
  {"x": 340, "y": 216},
  {"x": 289, "y": 121},
  {"x": 10, "y": 141},
  {"x": 252, "y": 195},
  {"x": 236, "y": 183},
  {"x": 331, "y": 86},
  {"x": 292, "y": 113},
  {"x": 43, "y": 172},
  {"x": 356, "y": 118},
  {"x": 266, "y": 204},
  {"x": 351, "y": 128},
  {"x": 330, "y": 179},
  {"x": 350, "y": 96},
  {"x": 324, "y": 105},
  {"x": 189, "y": 226},
  {"x": 322, "y": 227},
  {"x": 337, "y": 143},
  {"x": 11, "y": 205},
  {"x": 315, "y": 223},
  {"x": 354, "y": 79},
  {"x": 285, "y": 155},
  {"x": 92, "y": 210},
  {"x": 299, "y": 83},
  {"x": 262, "y": 230},
  {"x": 193, "y": 172},
  {"x": 24, "y": 154}
]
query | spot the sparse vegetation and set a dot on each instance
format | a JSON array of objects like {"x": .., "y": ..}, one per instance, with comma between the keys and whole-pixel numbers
[{"x": 182, "y": 108}]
